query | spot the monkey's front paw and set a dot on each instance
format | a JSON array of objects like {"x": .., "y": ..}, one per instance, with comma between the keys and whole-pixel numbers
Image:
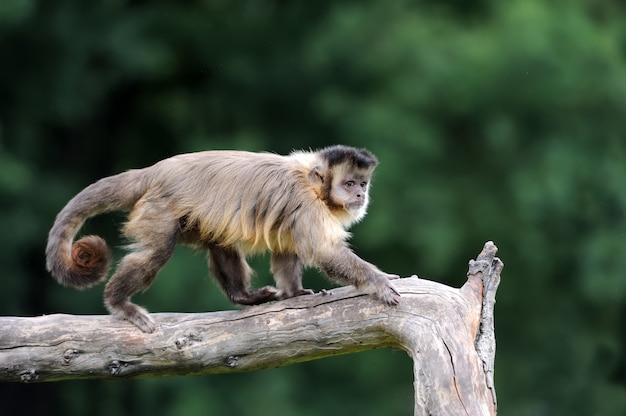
[{"x": 388, "y": 294}]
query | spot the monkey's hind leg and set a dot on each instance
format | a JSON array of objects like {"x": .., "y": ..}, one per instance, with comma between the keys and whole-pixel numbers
[
  {"x": 287, "y": 271},
  {"x": 136, "y": 272},
  {"x": 230, "y": 269}
]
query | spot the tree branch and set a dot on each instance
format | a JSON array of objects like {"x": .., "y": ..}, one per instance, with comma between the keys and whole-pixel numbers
[{"x": 448, "y": 332}]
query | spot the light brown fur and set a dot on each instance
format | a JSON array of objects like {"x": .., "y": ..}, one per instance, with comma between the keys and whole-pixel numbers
[{"x": 230, "y": 203}]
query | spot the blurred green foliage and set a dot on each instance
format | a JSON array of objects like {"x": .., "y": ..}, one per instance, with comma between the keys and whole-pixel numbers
[{"x": 492, "y": 120}]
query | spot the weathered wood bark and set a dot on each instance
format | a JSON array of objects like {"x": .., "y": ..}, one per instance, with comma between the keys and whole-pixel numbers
[{"x": 448, "y": 332}]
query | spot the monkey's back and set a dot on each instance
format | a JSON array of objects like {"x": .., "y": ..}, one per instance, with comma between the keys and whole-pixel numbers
[{"x": 254, "y": 201}]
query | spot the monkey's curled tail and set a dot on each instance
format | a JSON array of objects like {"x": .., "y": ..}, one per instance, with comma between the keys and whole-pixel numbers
[{"x": 87, "y": 261}]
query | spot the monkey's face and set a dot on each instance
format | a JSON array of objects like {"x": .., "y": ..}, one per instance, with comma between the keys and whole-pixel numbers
[
  {"x": 350, "y": 191},
  {"x": 344, "y": 189}
]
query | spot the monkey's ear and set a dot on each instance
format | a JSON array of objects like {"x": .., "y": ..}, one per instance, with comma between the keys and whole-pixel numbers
[{"x": 316, "y": 175}]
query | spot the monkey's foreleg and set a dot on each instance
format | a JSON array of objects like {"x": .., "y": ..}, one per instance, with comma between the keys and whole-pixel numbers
[
  {"x": 230, "y": 269},
  {"x": 287, "y": 271},
  {"x": 345, "y": 267}
]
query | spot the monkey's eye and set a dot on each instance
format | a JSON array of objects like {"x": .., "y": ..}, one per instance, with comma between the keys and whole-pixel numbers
[
  {"x": 363, "y": 184},
  {"x": 350, "y": 183}
]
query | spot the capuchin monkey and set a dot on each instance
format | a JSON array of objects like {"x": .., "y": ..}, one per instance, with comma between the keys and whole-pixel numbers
[{"x": 230, "y": 203}]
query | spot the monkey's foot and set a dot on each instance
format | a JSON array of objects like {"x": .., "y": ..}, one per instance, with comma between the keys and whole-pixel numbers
[
  {"x": 136, "y": 315},
  {"x": 256, "y": 296},
  {"x": 143, "y": 322},
  {"x": 298, "y": 292}
]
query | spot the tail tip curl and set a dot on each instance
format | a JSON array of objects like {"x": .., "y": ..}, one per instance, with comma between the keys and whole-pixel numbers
[{"x": 88, "y": 265}]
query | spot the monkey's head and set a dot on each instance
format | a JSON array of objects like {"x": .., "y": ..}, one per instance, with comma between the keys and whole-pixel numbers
[{"x": 342, "y": 179}]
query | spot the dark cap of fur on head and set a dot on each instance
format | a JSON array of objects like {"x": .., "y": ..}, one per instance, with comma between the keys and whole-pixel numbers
[{"x": 340, "y": 154}]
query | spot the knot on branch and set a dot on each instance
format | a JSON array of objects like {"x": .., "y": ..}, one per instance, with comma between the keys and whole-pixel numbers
[
  {"x": 29, "y": 376},
  {"x": 69, "y": 355},
  {"x": 232, "y": 361}
]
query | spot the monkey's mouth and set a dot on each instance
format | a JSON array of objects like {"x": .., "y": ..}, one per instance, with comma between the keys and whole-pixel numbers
[{"x": 354, "y": 205}]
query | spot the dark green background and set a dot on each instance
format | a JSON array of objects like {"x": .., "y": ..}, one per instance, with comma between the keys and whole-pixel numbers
[{"x": 492, "y": 120}]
